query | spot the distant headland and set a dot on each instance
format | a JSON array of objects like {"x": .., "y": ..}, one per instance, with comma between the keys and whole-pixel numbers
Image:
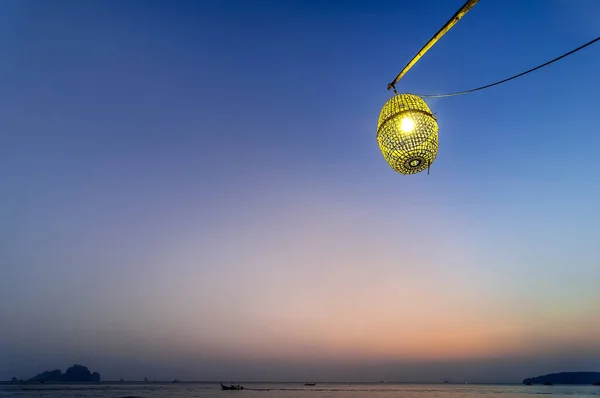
[
  {"x": 76, "y": 373},
  {"x": 566, "y": 378}
]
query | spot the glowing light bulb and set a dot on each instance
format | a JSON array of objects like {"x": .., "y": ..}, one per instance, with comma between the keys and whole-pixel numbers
[
  {"x": 407, "y": 134},
  {"x": 407, "y": 125}
]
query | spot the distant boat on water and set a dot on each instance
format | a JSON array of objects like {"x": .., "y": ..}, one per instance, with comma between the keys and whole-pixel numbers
[
  {"x": 548, "y": 383},
  {"x": 231, "y": 387},
  {"x": 597, "y": 383},
  {"x": 527, "y": 384},
  {"x": 310, "y": 384}
]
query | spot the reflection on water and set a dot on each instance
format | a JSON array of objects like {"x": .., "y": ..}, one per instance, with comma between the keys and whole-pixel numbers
[{"x": 288, "y": 390}]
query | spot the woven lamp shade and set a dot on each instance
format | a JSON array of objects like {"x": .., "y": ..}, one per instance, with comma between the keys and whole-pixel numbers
[{"x": 407, "y": 134}]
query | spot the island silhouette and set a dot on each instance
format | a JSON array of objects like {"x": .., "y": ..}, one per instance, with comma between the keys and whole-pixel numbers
[
  {"x": 76, "y": 373},
  {"x": 565, "y": 378}
]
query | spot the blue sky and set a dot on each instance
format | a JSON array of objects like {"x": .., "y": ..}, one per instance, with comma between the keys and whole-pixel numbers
[{"x": 193, "y": 185}]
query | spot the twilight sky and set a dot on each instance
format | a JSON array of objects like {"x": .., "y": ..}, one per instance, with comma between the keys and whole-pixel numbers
[{"x": 193, "y": 189}]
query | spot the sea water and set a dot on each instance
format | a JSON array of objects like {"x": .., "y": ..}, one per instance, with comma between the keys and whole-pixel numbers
[{"x": 288, "y": 390}]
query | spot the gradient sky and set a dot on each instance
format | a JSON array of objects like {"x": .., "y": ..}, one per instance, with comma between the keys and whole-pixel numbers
[{"x": 193, "y": 189}]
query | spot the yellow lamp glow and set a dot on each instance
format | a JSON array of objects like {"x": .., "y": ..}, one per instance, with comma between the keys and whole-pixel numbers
[
  {"x": 407, "y": 125},
  {"x": 407, "y": 134}
]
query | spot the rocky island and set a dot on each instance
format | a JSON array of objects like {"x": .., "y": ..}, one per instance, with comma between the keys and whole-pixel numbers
[
  {"x": 76, "y": 373},
  {"x": 566, "y": 378}
]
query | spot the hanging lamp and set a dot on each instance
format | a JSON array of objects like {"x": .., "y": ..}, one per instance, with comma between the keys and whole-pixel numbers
[
  {"x": 407, "y": 131},
  {"x": 407, "y": 134}
]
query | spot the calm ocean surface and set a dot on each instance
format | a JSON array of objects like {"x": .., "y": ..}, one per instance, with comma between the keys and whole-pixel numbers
[{"x": 184, "y": 390}]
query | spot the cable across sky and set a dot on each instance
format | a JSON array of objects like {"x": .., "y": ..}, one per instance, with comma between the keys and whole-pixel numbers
[{"x": 512, "y": 77}]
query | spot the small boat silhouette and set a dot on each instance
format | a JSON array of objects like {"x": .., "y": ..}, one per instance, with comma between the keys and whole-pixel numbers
[{"x": 231, "y": 387}]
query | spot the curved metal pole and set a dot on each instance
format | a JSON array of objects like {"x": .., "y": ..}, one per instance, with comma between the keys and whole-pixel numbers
[{"x": 455, "y": 18}]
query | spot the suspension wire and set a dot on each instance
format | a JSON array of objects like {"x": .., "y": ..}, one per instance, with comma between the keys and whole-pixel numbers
[
  {"x": 451, "y": 22},
  {"x": 512, "y": 77}
]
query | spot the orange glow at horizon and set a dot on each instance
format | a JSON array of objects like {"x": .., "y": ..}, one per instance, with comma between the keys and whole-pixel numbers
[{"x": 341, "y": 295}]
